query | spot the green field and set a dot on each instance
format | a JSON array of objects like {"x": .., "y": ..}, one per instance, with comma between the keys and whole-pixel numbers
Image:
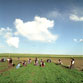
[
  {"x": 35, "y": 55},
  {"x": 51, "y": 73}
]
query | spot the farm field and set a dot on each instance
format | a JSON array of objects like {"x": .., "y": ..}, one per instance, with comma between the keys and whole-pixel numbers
[
  {"x": 51, "y": 73},
  {"x": 36, "y": 55}
]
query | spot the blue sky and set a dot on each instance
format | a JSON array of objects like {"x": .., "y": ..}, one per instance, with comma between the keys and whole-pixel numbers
[{"x": 41, "y": 26}]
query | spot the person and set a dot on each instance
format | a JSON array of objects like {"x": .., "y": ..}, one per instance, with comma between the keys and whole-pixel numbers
[
  {"x": 72, "y": 63},
  {"x": 24, "y": 63},
  {"x": 36, "y": 62},
  {"x": 29, "y": 61},
  {"x": 10, "y": 62},
  {"x": 13, "y": 64},
  {"x": 8, "y": 59},
  {"x": 49, "y": 60},
  {"x": 40, "y": 61},
  {"x": 18, "y": 65},
  {"x": 42, "y": 64},
  {"x": 59, "y": 62},
  {"x": 3, "y": 60}
]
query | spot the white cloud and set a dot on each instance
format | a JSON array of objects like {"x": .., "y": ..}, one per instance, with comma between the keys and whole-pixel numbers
[
  {"x": 76, "y": 18},
  {"x": 5, "y": 30},
  {"x": 81, "y": 40},
  {"x": 1, "y": 30},
  {"x": 8, "y": 35},
  {"x": 13, "y": 41},
  {"x": 54, "y": 14},
  {"x": 75, "y": 40},
  {"x": 36, "y": 30},
  {"x": 16, "y": 33}
]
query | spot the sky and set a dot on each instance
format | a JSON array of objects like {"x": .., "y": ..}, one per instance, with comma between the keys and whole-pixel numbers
[{"x": 41, "y": 26}]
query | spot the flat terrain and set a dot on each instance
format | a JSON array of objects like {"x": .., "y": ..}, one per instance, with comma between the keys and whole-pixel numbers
[
  {"x": 36, "y": 55},
  {"x": 51, "y": 73}
]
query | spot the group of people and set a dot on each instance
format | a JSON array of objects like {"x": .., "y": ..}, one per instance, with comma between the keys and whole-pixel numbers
[
  {"x": 71, "y": 64},
  {"x": 42, "y": 63},
  {"x": 36, "y": 62},
  {"x": 24, "y": 63},
  {"x": 10, "y": 63},
  {"x": 48, "y": 60}
]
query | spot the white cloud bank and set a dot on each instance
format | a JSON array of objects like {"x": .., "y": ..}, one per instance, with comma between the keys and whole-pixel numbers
[
  {"x": 36, "y": 30},
  {"x": 81, "y": 40},
  {"x": 10, "y": 40},
  {"x": 76, "y": 40},
  {"x": 76, "y": 18},
  {"x": 54, "y": 14},
  {"x": 13, "y": 41}
]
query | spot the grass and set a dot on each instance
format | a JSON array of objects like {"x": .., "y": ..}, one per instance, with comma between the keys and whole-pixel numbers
[
  {"x": 35, "y": 55},
  {"x": 51, "y": 73}
]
